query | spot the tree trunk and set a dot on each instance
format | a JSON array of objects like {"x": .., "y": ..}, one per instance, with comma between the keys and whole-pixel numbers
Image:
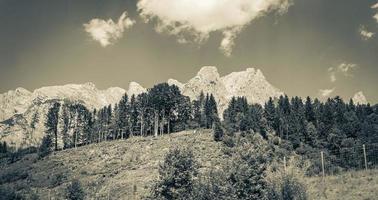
[
  {"x": 141, "y": 124},
  {"x": 56, "y": 140},
  {"x": 162, "y": 125},
  {"x": 169, "y": 128},
  {"x": 156, "y": 123}
]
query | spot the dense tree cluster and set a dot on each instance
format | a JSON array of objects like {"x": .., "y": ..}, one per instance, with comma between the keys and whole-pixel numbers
[
  {"x": 161, "y": 110},
  {"x": 333, "y": 126}
]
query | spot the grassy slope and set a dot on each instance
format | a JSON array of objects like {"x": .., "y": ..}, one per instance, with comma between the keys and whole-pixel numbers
[
  {"x": 125, "y": 169},
  {"x": 361, "y": 185},
  {"x": 116, "y": 168}
]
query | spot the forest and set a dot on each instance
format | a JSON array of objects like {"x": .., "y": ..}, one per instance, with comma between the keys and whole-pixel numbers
[{"x": 302, "y": 126}]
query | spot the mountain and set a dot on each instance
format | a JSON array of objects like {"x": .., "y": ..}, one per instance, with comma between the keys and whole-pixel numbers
[
  {"x": 135, "y": 89},
  {"x": 359, "y": 98},
  {"x": 23, "y": 113},
  {"x": 250, "y": 83}
]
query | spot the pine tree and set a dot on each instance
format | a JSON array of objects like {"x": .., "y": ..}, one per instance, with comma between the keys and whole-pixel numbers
[
  {"x": 75, "y": 191},
  {"x": 270, "y": 113},
  {"x": 247, "y": 170},
  {"x": 3, "y": 147},
  {"x": 123, "y": 115},
  {"x": 211, "y": 111},
  {"x": 142, "y": 108},
  {"x": 46, "y": 146},
  {"x": 309, "y": 110},
  {"x": 133, "y": 113},
  {"x": 176, "y": 175},
  {"x": 218, "y": 132},
  {"x": 52, "y": 122}
]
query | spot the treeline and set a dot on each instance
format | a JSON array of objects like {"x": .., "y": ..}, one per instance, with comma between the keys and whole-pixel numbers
[
  {"x": 310, "y": 126},
  {"x": 161, "y": 110}
]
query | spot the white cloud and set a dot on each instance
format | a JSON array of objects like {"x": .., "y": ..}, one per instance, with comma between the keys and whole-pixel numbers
[
  {"x": 365, "y": 34},
  {"x": 375, "y": 6},
  {"x": 194, "y": 20},
  {"x": 346, "y": 67},
  {"x": 107, "y": 32},
  {"x": 326, "y": 92},
  {"x": 333, "y": 77},
  {"x": 343, "y": 69}
]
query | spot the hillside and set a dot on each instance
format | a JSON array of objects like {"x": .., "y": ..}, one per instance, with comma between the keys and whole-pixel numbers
[
  {"x": 126, "y": 169},
  {"x": 116, "y": 167}
]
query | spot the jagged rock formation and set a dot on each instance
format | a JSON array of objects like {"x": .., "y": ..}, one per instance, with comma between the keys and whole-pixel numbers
[
  {"x": 23, "y": 113},
  {"x": 359, "y": 98},
  {"x": 250, "y": 83},
  {"x": 135, "y": 89}
]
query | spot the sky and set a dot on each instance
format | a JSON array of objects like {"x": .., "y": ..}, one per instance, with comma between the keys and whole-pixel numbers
[{"x": 319, "y": 48}]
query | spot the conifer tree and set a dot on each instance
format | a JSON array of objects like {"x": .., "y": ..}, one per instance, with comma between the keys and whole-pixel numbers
[
  {"x": 52, "y": 123},
  {"x": 218, "y": 132},
  {"x": 176, "y": 175}
]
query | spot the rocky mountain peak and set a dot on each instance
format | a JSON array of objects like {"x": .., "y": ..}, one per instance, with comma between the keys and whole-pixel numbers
[
  {"x": 135, "y": 89},
  {"x": 175, "y": 82},
  {"x": 208, "y": 73},
  {"x": 359, "y": 98}
]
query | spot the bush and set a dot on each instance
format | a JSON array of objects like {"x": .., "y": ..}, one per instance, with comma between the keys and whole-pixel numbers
[
  {"x": 292, "y": 189},
  {"x": 218, "y": 132},
  {"x": 176, "y": 175},
  {"x": 75, "y": 191},
  {"x": 286, "y": 185},
  {"x": 8, "y": 193}
]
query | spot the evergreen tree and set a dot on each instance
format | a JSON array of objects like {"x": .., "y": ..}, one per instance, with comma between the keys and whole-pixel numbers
[
  {"x": 52, "y": 123},
  {"x": 309, "y": 110},
  {"x": 218, "y": 132},
  {"x": 123, "y": 114},
  {"x": 133, "y": 113},
  {"x": 246, "y": 173},
  {"x": 75, "y": 191},
  {"x": 270, "y": 113},
  {"x": 211, "y": 111},
  {"x": 176, "y": 175},
  {"x": 46, "y": 146}
]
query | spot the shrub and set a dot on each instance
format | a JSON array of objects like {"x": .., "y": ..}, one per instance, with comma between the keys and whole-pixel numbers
[
  {"x": 218, "y": 132},
  {"x": 75, "y": 191},
  {"x": 286, "y": 185},
  {"x": 176, "y": 175},
  {"x": 8, "y": 193}
]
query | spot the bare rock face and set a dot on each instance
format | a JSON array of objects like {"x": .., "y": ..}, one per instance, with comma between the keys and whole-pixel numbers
[
  {"x": 14, "y": 102},
  {"x": 23, "y": 113},
  {"x": 359, "y": 98},
  {"x": 135, "y": 89},
  {"x": 250, "y": 83},
  {"x": 175, "y": 82}
]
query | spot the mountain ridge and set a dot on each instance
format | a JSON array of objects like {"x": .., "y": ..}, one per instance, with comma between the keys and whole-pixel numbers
[{"x": 23, "y": 113}]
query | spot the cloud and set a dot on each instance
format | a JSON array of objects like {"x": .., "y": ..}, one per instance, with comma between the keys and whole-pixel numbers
[
  {"x": 343, "y": 69},
  {"x": 333, "y": 77},
  {"x": 375, "y": 6},
  {"x": 107, "y": 32},
  {"x": 326, "y": 92},
  {"x": 346, "y": 67},
  {"x": 194, "y": 20},
  {"x": 365, "y": 34}
]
